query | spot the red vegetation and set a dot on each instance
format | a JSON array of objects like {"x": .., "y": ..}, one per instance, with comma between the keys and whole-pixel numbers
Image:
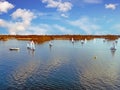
[{"x": 43, "y": 38}]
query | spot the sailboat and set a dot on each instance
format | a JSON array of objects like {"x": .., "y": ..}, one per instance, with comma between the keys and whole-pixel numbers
[
  {"x": 31, "y": 45},
  {"x": 113, "y": 47},
  {"x": 72, "y": 40},
  {"x": 50, "y": 44},
  {"x": 14, "y": 49},
  {"x": 85, "y": 40},
  {"x": 82, "y": 42}
]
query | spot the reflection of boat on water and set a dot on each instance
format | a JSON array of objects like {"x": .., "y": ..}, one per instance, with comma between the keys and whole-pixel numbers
[
  {"x": 14, "y": 49},
  {"x": 31, "y": 45},
  {"x": 31, "y": 52},
  {"x": 116, "y": 41},
  {"x": 113, "y": 52},
  {"x": 104, "y": 40},
  {"x": 113, "y": 47}
]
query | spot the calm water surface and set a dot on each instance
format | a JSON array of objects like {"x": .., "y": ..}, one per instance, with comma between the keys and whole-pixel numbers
[{"x": 64, "y": 66}]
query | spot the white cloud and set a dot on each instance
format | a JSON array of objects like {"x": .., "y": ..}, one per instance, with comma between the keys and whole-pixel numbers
[
  {"x": 21, "y": 21},
  {"x": 85, "y": 24},
  {"x": 25, "y": 15},
  {"x": 2, "y": 23},
  {"x": 61, "y": 6},
  {"x": 5, "y": 6},
  {"x": 43, "y": 29},
  {"x": 64, "y": 7},
  {"x": 51, "y": 3},
  {"x": 20, "y": 28},
  {"x": 39, "y": 29},
  {"x": 93, "y": 1},
  {"x": 111, "y": 6},
  {"x": 41, "y": 14},
  {"x": 116, "y": 27},
  {"x": 64, "y": 15},
  {"x": 36, "y": 30},
  {"x": 62, "y": 29}
]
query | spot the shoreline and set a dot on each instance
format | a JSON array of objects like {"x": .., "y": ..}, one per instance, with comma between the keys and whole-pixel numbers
[{"x": 44, "y": 38}]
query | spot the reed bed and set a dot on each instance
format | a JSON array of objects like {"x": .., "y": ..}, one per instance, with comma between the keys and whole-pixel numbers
[{"x": 43, "y": 38}]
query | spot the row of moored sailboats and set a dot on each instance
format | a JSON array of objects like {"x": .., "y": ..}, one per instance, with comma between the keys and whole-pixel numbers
[
  {"x": 31, "y": 45},
  {"x": 113, "y": 48}
]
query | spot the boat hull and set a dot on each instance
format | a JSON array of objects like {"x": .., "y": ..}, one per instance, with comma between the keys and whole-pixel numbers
[{"x": 14, "y": 49}]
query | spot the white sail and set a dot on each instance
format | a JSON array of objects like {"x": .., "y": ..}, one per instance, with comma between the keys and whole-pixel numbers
[
  {"x": 50, "y": 43},
  {"x": 31, "y": 45},
  {"x": 72, "y": 40},
  {"x": 28, "y": 45},
  {"x": 85, "y": 40}
]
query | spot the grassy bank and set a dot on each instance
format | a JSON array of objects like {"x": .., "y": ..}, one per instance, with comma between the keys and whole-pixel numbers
[{"x": 44, "y": 38}]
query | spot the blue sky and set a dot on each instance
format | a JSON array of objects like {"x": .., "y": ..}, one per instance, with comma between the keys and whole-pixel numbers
[{"x": 60, "y": 17}]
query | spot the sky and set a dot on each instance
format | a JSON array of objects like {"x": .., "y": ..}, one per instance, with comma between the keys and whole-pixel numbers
[{"x": 53, "y": 17}]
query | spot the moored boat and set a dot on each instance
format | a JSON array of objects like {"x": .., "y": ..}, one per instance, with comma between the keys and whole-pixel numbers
[
  {"x": 14, "y": 49},
  {"x": 31, "y": 45}
]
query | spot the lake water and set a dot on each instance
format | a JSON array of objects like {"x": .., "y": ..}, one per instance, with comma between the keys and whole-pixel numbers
[{"x": 64, "y": 66}]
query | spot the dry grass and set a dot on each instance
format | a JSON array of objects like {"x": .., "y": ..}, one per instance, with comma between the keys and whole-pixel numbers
[{"x": 44, "y": 38}]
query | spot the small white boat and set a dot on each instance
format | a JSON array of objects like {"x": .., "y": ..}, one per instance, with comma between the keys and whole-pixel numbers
[
  {"x": 82, "y": 42},
  {"x": 31, "y": 45},
  {"x": 72, "y": 40},
  {"x": 50, "y": 44},
  {"x": 94, "y": 40},
  {"x": 112, "y": 48},
  {"x": 85, "y": 40},
  {"x": 14, "y": 49}
]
